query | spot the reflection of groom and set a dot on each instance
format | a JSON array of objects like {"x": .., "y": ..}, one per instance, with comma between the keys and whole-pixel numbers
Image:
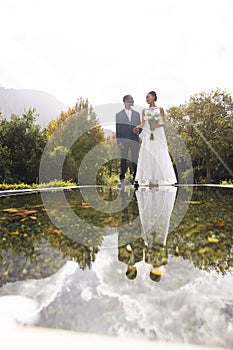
[
  {"x": 127, "y": 136},
  {"x": 130, "y": 243}
]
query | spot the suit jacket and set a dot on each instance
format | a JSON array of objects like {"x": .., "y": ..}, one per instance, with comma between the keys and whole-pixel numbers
[{"x": 124, "y": 127}]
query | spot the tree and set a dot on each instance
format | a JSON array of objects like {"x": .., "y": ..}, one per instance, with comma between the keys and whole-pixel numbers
[
  {"x": 80, "y": 125},
  {"x": 205, "y": 124},
  {"x": 5, "y": 165},
  {"x": 21, "y": 143}
]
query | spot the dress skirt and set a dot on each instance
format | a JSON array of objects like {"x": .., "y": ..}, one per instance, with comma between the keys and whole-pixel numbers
[{"x": 154, "y": 162}]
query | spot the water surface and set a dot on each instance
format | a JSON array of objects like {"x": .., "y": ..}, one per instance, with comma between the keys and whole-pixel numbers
[{"x": 159, "y": 268}]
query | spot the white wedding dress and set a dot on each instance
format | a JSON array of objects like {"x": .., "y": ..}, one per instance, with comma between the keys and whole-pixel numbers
[{"x": 154, "y": 162}]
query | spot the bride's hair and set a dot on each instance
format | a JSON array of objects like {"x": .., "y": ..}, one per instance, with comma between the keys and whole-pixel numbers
[{"x": 153, "y": 93}]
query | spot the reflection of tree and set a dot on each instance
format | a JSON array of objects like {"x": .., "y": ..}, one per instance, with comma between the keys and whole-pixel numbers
[
  {"x": 103, "y": 198},
  {"x": 30, "y": 247},
  {"x": 205, "y": 234},
  {"x": 82, "y": 254}
]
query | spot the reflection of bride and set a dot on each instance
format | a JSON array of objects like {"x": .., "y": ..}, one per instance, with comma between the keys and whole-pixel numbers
[{"x": 155, "y": 208}]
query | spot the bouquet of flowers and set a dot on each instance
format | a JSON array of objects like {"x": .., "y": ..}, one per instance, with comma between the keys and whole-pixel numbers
[{"x": 154, "y": 118}]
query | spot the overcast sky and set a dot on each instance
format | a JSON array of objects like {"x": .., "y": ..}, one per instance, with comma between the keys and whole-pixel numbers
[{"x": 103, "y": 49}]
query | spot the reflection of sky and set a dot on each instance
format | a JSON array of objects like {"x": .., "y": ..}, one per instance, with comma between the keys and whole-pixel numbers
[{"x": 186, "y": 305}]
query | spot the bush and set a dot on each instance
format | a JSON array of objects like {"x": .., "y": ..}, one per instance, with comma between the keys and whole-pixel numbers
[
  {"x": 21, "y": 186},
  {"x": 227, "y": 182}
]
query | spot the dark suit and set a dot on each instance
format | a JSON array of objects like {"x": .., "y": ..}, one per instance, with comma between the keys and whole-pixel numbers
[{"x": 126, "y": 136}]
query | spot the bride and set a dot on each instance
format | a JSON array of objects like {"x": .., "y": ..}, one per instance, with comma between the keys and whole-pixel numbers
[{"x": 154, "y": 162}]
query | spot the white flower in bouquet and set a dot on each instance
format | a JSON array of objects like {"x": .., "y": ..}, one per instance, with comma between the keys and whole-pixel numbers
[{"x": 154, "y": 119}]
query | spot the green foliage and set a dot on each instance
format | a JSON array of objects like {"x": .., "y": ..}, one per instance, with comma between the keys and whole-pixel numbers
[
  {"x": 20, "y": 186},
  {"x": 108, "y": 173},
  {"x": 205, "y": 124},
  {"x": 205, "y": 233},
  {"x": 21, "y": 146},
  {"x": 57, "y": 183},
  {"x": 5, "y": 164},
  {"x": 229, "y": 183},
  {"x": 79, "y": 124}
]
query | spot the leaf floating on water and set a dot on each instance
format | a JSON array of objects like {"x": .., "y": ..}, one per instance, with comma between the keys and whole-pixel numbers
[
  {"x": 10, "y": 210},
  {"x": 54, "y": 231},
  {"x": 26, "y": 212},
  {"x": 23, "y": 212},
  {"x": 203, "y": 251},
  {"x": 85, "y": 205},
  {"x": 23, "y": 219},
  {"x": 193, "y": 202},
  {"x": 57, "y": 232},
  {"x": 221, "y": 223},
  {"x": 14, "y": 233},
  {"x": 196, "y": 229},
  {"x": 212, "y": 239}
]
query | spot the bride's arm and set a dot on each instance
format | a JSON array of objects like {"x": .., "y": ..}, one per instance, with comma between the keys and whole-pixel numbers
[
  {"x": 163, "y": 117},
  {"x": 140, "y": 126}
]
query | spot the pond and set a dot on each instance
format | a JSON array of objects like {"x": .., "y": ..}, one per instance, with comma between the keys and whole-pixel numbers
[{"x": 155, "y": 263}]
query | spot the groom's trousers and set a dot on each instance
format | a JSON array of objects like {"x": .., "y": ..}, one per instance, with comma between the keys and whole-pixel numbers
[{"x": 129, "y": 153}]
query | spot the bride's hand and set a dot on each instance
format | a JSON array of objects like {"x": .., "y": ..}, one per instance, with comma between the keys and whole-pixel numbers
[{"x": 136, "y": 130}]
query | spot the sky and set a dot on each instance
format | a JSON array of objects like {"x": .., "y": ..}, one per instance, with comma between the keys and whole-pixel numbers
[{"x": 102, "y": 49}]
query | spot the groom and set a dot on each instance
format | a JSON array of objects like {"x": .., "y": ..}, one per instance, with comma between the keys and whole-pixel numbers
[{"x": 127, "y": 136}]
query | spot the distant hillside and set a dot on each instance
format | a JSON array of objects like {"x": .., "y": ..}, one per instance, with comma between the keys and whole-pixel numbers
[{"x": 15, "y": 101}]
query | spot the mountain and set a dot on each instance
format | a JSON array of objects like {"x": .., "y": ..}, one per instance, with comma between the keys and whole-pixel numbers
[{"x": 15, "y": 101}]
